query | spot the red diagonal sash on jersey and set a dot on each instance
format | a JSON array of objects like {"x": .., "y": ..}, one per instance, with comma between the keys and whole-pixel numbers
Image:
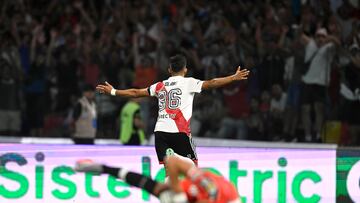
[{"x": 181, "y": 123}]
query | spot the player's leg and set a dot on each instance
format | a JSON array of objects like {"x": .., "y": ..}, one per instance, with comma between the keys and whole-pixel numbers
[
  {"x": 168, "y": 143},
  {"x": 132, "y": 178},
  {"x": 183, "y": 145},
  {"x": 161, "y": 145}
]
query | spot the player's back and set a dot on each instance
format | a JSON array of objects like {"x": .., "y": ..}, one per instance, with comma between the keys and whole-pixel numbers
[
  {"x": 175, "y": 99},
  {"x": 222, "y": 190}
]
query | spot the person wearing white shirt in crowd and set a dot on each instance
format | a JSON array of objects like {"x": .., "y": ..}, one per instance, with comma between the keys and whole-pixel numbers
[
  {"x": 84, "y": 117},
  {"x": 319, "y": 53}
]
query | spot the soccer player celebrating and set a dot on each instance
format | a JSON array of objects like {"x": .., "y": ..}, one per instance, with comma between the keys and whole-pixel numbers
[
  {"x": 175, "y": 99},
  {"x": 197, "y": 186}
]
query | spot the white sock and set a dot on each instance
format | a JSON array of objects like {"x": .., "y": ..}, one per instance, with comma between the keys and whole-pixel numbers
[{"x": 122, "y": 174}]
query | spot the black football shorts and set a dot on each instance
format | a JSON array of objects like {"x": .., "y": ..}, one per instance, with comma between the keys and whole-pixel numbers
[{"x": 181, "y": 143}]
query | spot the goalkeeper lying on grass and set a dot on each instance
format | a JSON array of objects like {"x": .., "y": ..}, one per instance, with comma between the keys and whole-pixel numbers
[{"x": 197, "y": 186}]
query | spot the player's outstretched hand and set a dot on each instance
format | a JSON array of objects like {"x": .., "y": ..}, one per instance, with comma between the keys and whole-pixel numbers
[
  {"x": 104, "y": 88},
  {"x": 241, "y": 74}
]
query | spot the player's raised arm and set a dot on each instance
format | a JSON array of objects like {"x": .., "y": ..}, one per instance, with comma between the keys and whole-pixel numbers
[
  {"x": 241, "y": 74},
  {"x": 106, "y": 88}
]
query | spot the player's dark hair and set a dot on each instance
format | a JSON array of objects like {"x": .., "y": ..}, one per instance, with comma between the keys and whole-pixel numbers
[{"x": 177, "y": 63}]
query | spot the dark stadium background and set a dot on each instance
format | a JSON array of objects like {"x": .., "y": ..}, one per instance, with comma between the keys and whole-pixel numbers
[{"x": 51, "y": 49}]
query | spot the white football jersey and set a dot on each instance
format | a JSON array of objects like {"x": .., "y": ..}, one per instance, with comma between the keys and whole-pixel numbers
[{"x": 175, "y": 98}]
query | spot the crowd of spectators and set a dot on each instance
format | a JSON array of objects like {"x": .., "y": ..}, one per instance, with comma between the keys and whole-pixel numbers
[{"x": 50, "y": 50}]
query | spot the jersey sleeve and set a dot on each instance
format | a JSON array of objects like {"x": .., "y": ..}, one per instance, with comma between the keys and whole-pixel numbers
[
  {"x": 194, "y": 85},
  {"x": 152, "y": 90}
]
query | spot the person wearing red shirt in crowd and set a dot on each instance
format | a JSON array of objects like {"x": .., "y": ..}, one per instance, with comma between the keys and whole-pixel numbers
[
  {"x": 145, "y": 73},
  {"x": 238, "y": 108},
  {"x": 89, "y": 71}
]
